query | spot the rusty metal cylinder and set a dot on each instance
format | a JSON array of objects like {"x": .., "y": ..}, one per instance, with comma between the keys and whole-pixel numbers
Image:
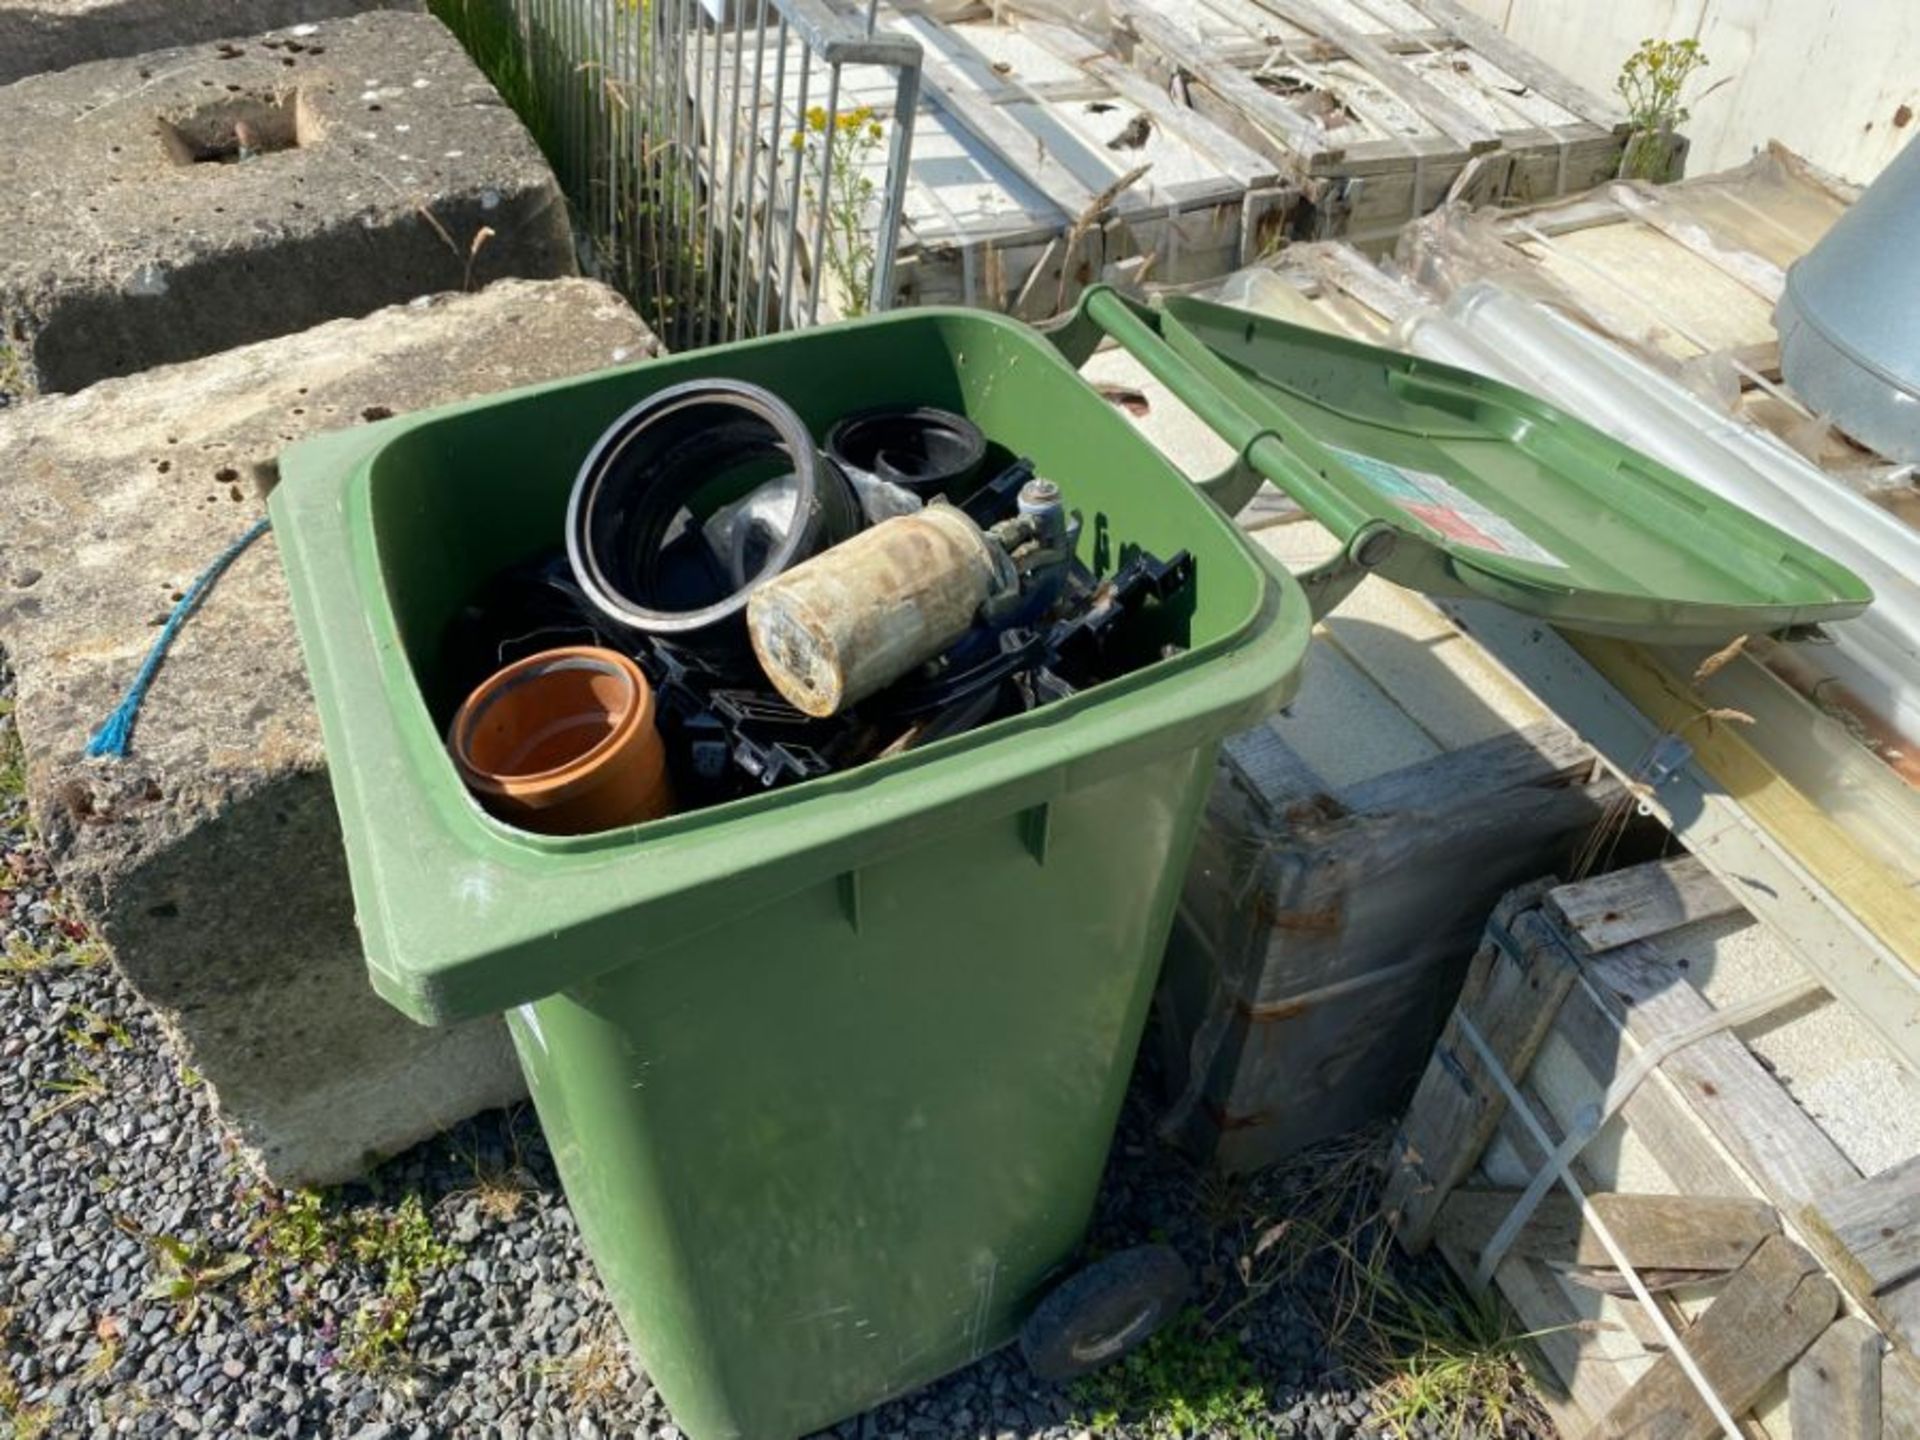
[{"x": 852, "y": 620}]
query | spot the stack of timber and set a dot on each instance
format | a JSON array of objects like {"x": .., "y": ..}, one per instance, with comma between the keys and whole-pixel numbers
[
  {"x": 1744, "y": 1144},
  {"x": 1184, "y": 141},
  {"x": 1324, "y": 929}
]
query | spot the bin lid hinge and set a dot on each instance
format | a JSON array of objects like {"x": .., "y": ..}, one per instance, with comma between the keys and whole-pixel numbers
[{"x": 1333, "y": 579}]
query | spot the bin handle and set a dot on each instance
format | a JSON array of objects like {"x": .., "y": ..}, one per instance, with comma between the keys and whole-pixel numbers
[{"x": 1224, "y": 401}]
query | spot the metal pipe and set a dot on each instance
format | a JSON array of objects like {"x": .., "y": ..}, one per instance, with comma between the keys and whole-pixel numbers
[
  {"x": 787, "y": 311},
  {"x": 678, "y": 220},
  {"x": 906, "y": 108},
  {"x": 753, "y": 169},
  {"x": 714, "y": 232},
  {"x": 776, "y": 154},
  {"x": 732, "y": 171},
  {"x": 823, "y": 202}
]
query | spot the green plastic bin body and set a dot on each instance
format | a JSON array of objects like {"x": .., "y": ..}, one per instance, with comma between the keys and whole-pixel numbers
[{"x": 831, "y": 1073}]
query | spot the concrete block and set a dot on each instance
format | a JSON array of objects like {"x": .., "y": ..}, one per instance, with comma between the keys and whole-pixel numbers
[
  {"x": 210, "y": 858},
  {"x": 41, "y": 35},
  {"x": 191, "y": 200}
]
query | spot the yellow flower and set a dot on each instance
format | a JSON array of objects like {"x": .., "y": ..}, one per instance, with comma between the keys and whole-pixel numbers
[{"x": 817, "y": 117}]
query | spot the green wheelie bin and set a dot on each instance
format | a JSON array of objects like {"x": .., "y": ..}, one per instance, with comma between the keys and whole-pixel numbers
[{"x": 830, "y": 1073}]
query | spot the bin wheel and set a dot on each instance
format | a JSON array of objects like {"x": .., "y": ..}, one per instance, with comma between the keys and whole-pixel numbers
[{"x": 1100, "y": 1313}]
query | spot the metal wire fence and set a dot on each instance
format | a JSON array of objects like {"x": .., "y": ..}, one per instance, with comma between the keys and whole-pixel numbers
[{"x": 729, "y": 163}]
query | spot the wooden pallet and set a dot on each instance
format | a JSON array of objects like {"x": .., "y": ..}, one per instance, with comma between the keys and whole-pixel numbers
[
  {"x": 1798, "y": 1119},
  {"x": 1379, "y": 109}
]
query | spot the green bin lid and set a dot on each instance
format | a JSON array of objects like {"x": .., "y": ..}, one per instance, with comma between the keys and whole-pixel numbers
[{"x": 1485, "y": 490}]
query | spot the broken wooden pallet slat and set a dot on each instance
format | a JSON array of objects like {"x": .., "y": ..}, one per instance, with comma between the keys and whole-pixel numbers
[
  {"x": 1524, "y": 66},
  {"x": 1775, "y": 1306},
  {"x": 1236, "y": 158},
  {"x": 1719, "y": 1126},
  {"x": 1834, "y": 1389},
  {"x": 1872, "y": 1228},
  {"x": 1440, "y": 110},
  {"x": 1511, "y": 995},
  {"x": 1779, "y": 1144},
  {"x": 1640, "y": 902},
  {"x": 1899, "y": 1394},
  {"x": 1302, "y": 135},
  {"x": 1347, "y": 270},
  {"x": 1586, "y": 1044},
  {"x": 1657, "y": 1232}
]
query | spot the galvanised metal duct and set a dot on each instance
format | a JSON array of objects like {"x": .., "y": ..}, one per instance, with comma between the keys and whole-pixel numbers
[{"x": 1849, "y": 319}]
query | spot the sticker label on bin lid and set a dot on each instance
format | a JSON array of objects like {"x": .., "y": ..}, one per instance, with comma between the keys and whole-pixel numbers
[{"x": 1440, "y": 503}]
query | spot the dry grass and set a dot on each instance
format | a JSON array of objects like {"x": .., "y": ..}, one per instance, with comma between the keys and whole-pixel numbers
[
  {"x": 80, "y": 1086},
  {"x": 1430, "y": 1353},
  {"x": 107, "y": 1331},
  {"x": 500, "y": 1190},
  {"x": 596, "y": 1374},
  {"x": 13, "y": 772},
  {"x": 19, "y": 1420}
]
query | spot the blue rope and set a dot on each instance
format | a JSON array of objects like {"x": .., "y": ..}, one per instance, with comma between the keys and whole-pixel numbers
[{"x": 116, "y": 733}]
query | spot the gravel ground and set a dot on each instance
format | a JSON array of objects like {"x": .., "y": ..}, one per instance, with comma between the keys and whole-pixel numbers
[{"x": 149, "y": 1287}]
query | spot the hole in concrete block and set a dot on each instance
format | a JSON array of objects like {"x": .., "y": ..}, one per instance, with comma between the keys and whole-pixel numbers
[{"x": 224, "y": 132}]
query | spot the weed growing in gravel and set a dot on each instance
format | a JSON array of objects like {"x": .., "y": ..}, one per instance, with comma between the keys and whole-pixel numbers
[
  {"x": 95, "y": 1032},
  {"x": 301, "y": 1238},
  {"x": 594, "y": 1375},
  {"x": 190, "y": 1273},
  {"x": 107, "y": 1332},
  {"x": 499, "y": 1189},
  {"x": 1442, "y": 1359},
  {"x": 19, "y": 1420},
  {"x": 80, "y": 1087},
  {"x": 1188, "y": 1380},
  {"x": 1435, "y": 1358},
  {"x": 24, "y": 957},
  {"x": 125, "y": 1404}
]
